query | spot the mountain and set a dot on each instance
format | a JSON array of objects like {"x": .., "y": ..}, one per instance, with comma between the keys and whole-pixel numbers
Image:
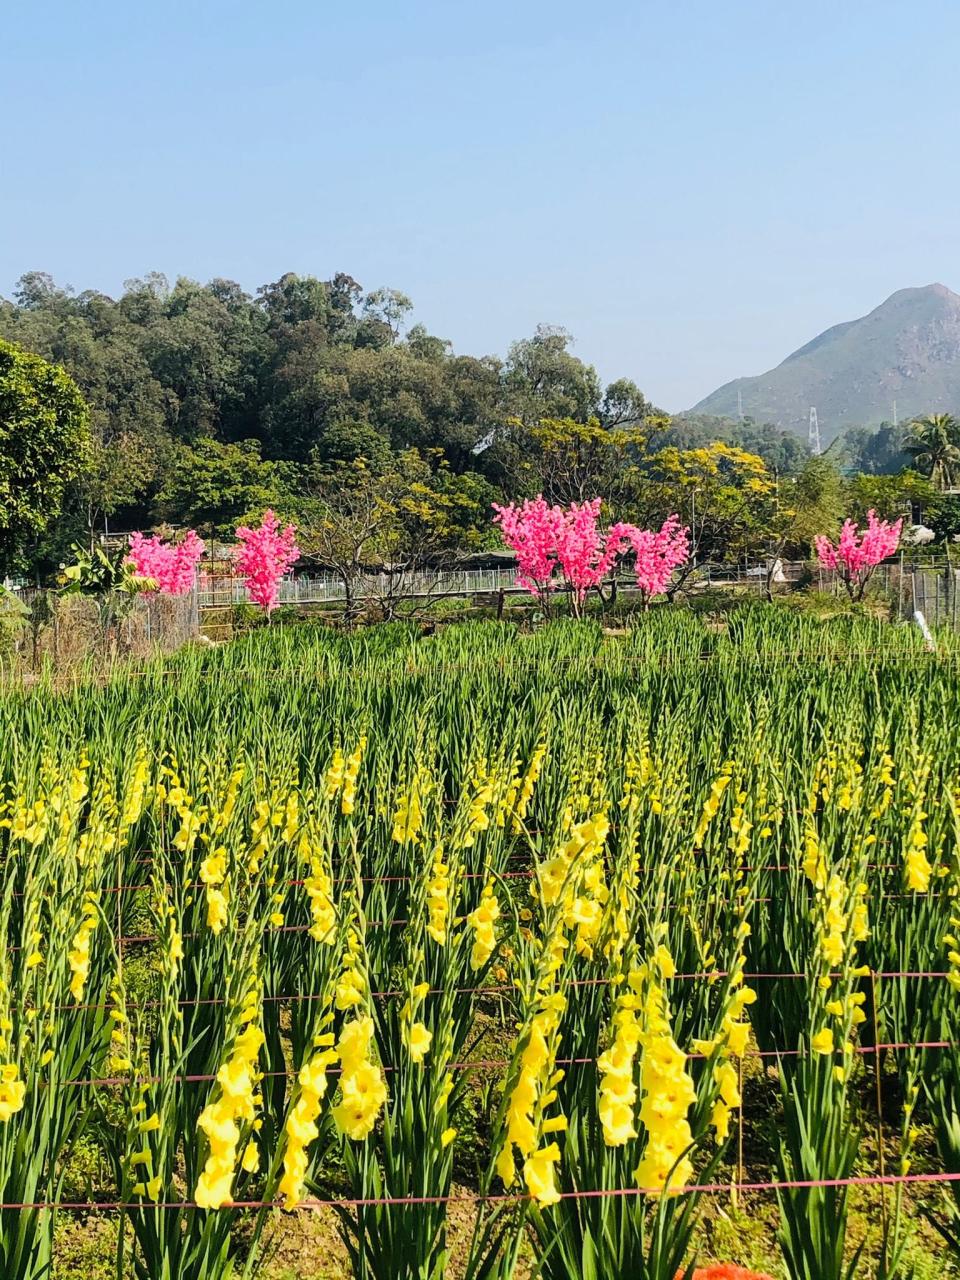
[{"x": 906, "y": 350}]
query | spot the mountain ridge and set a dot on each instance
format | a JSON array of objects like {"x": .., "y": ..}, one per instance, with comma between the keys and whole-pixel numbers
[{"x": 905, "y": 351}]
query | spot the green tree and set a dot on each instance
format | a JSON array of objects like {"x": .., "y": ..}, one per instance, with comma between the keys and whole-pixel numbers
[
  {"x": 44, "y": 440},
  {"x": 314, "y": 371},
  {"x": 343, "y": 298},
  {"x": 783, "y": 451},
  {"x": 943, "y": 517},
  {"x": 544, "y": 379},
  {"x": 875, "y": 451},
  {"x": 889, "y": 496},
  {"x": 345, "y": 440},
  {"x": 934, "y": 444},
  {"x": 294, "y": 300},
  {"x": 213, "y": 486},
  {"x": 802, "y": 506},
  {"x": 724, "y": 495},
  {"x": 624, "y": 404},
  {"x": 400, "y": 519},
  {"x": 569, "y": 461},
  {"x": 388, "y": 308}
]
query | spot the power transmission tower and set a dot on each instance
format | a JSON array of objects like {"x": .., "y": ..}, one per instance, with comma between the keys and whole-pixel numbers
[
  {"x": 813, "y": 436},
  {"x": 740, "y": 404}
]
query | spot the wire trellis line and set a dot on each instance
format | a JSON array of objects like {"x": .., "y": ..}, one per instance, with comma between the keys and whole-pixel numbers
[
  {"x": 489, "y": 1064},
  {"x": 316, "y": 1204},
  {"x": 782, "y": 868},
  {"x": 494, "y": 989}
]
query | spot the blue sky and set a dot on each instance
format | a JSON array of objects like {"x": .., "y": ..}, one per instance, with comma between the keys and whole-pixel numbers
[{"x": 693, "y": 189}]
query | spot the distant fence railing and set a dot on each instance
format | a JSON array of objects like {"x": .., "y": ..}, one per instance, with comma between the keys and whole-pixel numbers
[
  {"x": 219, "y": 592},
  {"x": 69, "y": 628},
  {"x": 932, "y": 587},
  {"x": 934, "y": 592}
]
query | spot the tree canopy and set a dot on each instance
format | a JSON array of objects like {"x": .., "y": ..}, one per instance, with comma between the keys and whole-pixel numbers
[
  {"x": 43, "y": 445},
  {"x": 188, "y": 383},
  {"x": 208, "y": 404},
  {"x": 934, "y": 444}
]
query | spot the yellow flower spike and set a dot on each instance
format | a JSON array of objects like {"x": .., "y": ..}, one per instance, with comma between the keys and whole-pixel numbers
[
  {"x": 664, "y": 961},
  {"x": 419, "y": 1041},
  {"x": 738, "y": 1035},
  {"x": 538, "y": 1174},
  {"x": 823, "y": 1041},
  {"x": 506, "y": 1169}
]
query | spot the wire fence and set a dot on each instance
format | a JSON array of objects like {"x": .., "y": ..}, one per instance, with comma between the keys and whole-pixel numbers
[
  {"x": 73, "y": 632},
  {"x": 932, "y": 586},
  {"x": 217, "y": 592},
  {"x": 314, "y": 1204},
  {"x": 69, "y": 631},
  {"x": 501, "y": 989},
  {"x": 493, "y": 1064}
]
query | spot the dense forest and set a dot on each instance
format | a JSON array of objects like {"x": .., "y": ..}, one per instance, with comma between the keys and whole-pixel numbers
[
  {"x": 208, "y": 404},
  {"x": 195, "y": 380}
]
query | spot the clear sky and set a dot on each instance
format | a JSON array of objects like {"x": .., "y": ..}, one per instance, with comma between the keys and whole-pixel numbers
[{"x": 692, "y": 187}]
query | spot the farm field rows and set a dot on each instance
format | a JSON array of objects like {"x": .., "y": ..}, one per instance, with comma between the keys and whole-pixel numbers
[{"x": 554, "y": 937}]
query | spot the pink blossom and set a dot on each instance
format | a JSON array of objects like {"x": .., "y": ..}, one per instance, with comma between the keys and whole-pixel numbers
[
  {"x": 855, "y": 557},
  {"x": 531, "y": 532},
  {"x": 658, "y": 554},
  {"x": 554, "y": 543},
  {"x": 264, "y": 556},
  {"x": 172, "y": 566}
]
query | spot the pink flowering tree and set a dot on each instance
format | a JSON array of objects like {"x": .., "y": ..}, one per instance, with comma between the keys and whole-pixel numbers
[
  {"x": 856, "y": 556},
  {"x": 561, "y": 546},
  {"x": 171, "y": 565},
  {"x": 264, "y": 556},
  {"x": 558, "y": 545},
  {"x": 657, "y": 555},
  {"x": 530, "y": 531}
]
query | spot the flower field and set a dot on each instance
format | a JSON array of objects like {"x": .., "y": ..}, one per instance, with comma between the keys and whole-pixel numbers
[{"x": 489, "y": 929}]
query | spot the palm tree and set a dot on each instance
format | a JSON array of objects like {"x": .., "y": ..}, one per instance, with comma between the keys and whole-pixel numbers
[{"x": 934, "y": 443}]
